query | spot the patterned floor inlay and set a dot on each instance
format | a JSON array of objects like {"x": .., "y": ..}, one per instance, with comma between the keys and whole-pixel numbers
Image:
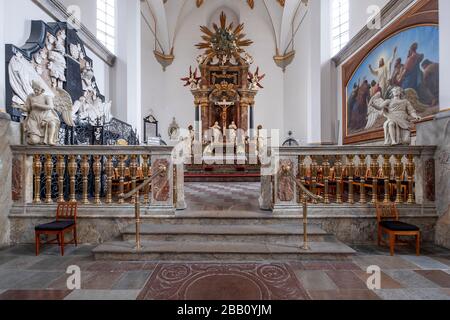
[
  {"x": 223, "y": 282},
  {"x": 219, "y": 196}
]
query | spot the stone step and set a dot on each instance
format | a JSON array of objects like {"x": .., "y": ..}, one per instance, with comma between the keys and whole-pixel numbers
[
  {"x": 277, "y": 233},
  {"x": 220, "y": 251},
  {"x": 232, "y": 217}
]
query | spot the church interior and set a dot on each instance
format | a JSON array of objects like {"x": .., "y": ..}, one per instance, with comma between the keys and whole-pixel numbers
[{"x": 224, "y": 150}]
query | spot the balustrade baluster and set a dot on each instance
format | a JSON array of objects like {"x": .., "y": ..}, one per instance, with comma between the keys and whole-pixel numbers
[
  {"x": 410, "y": 168},
  {"x": 398, "y": 168},
  {"x": 121, "y": 169},
  {"x": 97, "y": 169},
  {"x": 374, "y": 175},
  {"x": 326, "y": 179},
  {"x": 145, "y": 173},
  {"x": 351, "y": 172},
  {"x": 37, "y": 169},
  {"x": 387, "y": 177},
  {"x": 338, "y": 170},
  {"x": 314, "y": 172},
  {"x": 362, "y": 176},
  {"x": 85, "y": 175},
  {"x": 72, "y": 168},
  {"x": 109, "y": 170},
  {"x": 133, "y": 173},
  {"x": 60, "y": 170},
  {"x": 48, "y": 179}
]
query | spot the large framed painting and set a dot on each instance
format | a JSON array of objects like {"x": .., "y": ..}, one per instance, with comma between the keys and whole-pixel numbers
[{"x": 406, "y": 55}]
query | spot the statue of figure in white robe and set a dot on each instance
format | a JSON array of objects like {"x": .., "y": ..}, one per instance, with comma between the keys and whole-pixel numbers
[
  {"x": 42, "y": 123},
  {"x": 399, "y": 113}
]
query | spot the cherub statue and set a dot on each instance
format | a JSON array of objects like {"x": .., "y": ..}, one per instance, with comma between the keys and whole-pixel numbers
[
  {"x": 398, "y": 111},
  {"x": 255, "y": 80},
  {"x": 42, "y": 122}
]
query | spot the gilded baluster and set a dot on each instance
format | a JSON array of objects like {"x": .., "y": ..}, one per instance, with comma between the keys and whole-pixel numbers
[
  {"x": 387, "y": 177},
  {"x": 37, "y": 169},
  {"x": 326, "y": 178},
  {"x": 72, "y": 169},
  {"x": 374, "y": 175},
  {"x": 48, "y": 178},
  {"x": 398, "y": 168},
  {"x": 109, "y": 170},
  {"x": 121, "y": 169},
  {"x": 362, "y": 176},
  {"x": 338, "y": 170},
  {"x": 85, "y": 176},
  {"x": 302, "y": 174},
  {"x": 97, "y": 175},
  {"x": 314, "y": 171},
  {"x": 133, "y": 173},
  {"x": 351, "y": 177},
  {"x": 60, "y": 170},
  {"x": 410, "y": 168},
  {"x": 145, "y": 172}
]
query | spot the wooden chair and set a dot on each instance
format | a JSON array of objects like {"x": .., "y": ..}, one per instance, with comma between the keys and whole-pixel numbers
[
  {"x": 66, "y": 221},
  {"x": 388, "y": 223}
]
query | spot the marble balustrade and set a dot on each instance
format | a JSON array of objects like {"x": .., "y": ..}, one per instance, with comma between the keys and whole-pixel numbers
[
  {"x": 351, "y": 175},
  {"x": 96, "y": 176}
]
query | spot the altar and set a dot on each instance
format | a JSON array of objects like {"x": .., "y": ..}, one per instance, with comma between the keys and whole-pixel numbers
[{"x": 224, "y": 94}]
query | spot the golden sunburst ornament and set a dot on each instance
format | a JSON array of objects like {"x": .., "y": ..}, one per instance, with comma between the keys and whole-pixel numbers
[{"x": 225, "y": 41}]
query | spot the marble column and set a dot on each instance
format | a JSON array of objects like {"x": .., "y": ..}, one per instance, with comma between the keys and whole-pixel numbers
[
  {"x": 5, "y": 176},
  {"x": 437, "y": 132},
  {"x": 197, "y": 123}
]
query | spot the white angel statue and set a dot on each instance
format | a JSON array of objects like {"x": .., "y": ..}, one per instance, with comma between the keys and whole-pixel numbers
[
  {"x": 42, "y": 122},
  {"x": 399, "y": 113}
]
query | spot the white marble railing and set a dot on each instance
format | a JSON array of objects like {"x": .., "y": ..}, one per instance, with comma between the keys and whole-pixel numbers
[
  {"x": 345, "y": 175},
  {"x": 95, "y": 175}
]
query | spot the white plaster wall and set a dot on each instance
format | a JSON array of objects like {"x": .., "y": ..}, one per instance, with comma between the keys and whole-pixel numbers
[
  {"x": 88, "y": 12},
  {"x": 296, "y": 87},
  {"x": 359, "y": 13},
  {"x": 152, "y": 76}
]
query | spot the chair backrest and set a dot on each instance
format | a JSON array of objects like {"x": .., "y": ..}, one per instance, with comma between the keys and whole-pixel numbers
[
  {"x": 387, "y": 211},
  {"x": 67, "y": 211}
]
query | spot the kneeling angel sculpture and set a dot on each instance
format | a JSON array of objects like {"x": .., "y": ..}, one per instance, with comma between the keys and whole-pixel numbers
[
  {"x": 42, "y": 122},
  {"x": 399, "y": 113}
]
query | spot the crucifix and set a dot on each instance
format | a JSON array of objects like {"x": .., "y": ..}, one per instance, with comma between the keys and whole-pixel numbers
[{"x": 224, "y": 104}]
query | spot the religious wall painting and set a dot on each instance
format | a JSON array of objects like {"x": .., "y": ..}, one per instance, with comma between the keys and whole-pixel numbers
[{"x": 409, "y": 60}]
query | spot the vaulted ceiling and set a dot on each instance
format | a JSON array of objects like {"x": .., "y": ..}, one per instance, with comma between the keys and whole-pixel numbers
[{"x": 166, "y": 17}]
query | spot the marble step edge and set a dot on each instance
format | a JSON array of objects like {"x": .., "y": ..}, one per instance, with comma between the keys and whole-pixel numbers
[
  {"x": 213, "y": 247},
  {"x": 207, "y": 229}
]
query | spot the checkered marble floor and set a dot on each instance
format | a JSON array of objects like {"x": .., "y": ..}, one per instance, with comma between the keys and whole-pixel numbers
[
  {"x": 222, "y": 196},
  {"x": 24, "y": 276}
]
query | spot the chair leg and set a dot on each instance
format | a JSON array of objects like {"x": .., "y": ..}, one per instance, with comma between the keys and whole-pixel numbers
[
  {"x": 61, "y": 241},
  {"x": 392, "y": 243},
  {"x": 75, "y": 238},
  {"x": 37, "y": 240},
  {"x": 418, "y": 244},
  {"x": 380, "y": 235}
]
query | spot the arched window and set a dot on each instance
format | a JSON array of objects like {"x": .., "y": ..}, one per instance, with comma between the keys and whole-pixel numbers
[
  {"x": 106, "y": 23},
  {"x": 339, "y": 25}
]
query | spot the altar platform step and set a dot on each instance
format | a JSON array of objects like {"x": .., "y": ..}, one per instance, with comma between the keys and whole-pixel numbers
[
  {"x": 220, "y": 251},
  {"x": 275, "y": 233},
  {"x": 205, "y": 240},
  {"x": 222, "y": 173}
]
